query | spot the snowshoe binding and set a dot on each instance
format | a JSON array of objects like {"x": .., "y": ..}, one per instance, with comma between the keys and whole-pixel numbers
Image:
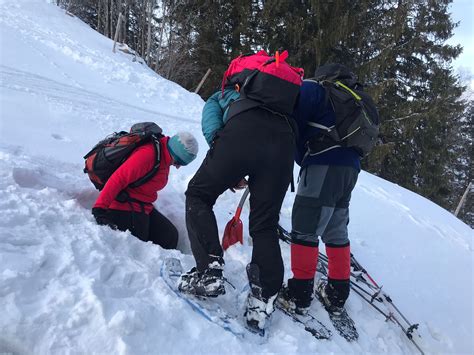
[
  {"x": 209, "y": 283},
  {"x": 338, "y": 315}
]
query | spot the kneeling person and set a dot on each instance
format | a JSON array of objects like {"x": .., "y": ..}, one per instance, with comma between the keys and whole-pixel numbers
[{"x": 136, "y": 212}]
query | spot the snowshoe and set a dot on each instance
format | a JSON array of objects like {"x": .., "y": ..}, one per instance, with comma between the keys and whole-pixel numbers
[
  {"x": 299, "y": 313},
  {"x": 209, "y": 283},
  {"x": 338, "y": 315}
]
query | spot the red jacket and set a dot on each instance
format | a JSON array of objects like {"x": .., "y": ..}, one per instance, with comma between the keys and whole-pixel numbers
[{"x": 138, "y": 164}]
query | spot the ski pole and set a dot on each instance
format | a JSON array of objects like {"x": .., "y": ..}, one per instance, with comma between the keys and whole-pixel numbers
[
  {"x": 358, "y": 278},
  {"x": 387, "y": 316},
  {"x": 384, "y": 298},
  {"x": 387, "y": 297},
  {"x": 361, "y": 269},
  {"x": 283, "y": 235},
  {"x": 388, "y": 301}
]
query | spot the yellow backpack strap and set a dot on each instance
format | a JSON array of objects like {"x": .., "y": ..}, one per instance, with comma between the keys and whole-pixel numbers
[{"x": 357, "y": 97}]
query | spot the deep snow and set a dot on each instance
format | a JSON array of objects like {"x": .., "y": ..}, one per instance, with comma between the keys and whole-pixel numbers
[{"x": 70, "y": 286}]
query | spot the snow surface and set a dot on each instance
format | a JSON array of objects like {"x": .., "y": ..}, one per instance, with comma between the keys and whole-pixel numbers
[{"x": 70, "y": 286}]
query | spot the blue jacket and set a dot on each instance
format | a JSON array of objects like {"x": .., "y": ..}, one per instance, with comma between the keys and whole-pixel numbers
[
  {"x": 214, "y": 113},
  {"x": 312, "y": 107}
]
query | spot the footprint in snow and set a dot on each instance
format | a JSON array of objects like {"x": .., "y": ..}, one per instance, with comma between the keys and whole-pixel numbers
[{"x": 60, "y": 137}]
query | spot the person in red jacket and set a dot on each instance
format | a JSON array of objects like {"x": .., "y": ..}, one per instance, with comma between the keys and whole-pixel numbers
[{"x": 137, "y": 214}]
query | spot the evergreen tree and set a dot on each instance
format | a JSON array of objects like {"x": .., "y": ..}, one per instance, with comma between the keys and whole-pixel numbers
[{"x": 396, "y": 47}]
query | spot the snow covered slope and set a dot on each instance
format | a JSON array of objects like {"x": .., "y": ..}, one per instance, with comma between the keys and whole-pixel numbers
[{"x": 70, "y": 286}]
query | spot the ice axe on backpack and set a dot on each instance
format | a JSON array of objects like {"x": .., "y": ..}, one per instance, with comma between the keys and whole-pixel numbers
[{"x": 233, "y": 231}]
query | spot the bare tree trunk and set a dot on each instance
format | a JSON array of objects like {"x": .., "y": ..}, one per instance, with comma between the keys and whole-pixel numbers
[
  {"x": 68, "y": 8},
  {"x": 202, "y": 81},
  {"x": 124, "y": 33},
  {"x": 160, "y": 41},
  {"x": 111, "y": 18},
  {"x": 119, "y": 8},
  {"x": 170, "y": 47},
  {"x": 99, "y": 7},
  {"x": 117, "y": 31},
  {"x": 113, "y": 9},
  {"x": 463, "y": 199},
  {"x": 106, "y": 13},
  {"x": 148, "y": 49},
  {"x": 142, "y": 49}
]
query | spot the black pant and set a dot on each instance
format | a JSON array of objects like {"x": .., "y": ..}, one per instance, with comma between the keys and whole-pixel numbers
[
  {"x": 154, "y": 227},
  {"x": 260, "y": 145}
]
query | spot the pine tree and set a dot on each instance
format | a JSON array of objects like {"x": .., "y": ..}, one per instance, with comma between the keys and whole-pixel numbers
[{"x": 396, "y": 47}]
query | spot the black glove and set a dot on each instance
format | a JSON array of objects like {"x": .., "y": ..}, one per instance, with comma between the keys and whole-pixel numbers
[{"x": 100, "y": 215}]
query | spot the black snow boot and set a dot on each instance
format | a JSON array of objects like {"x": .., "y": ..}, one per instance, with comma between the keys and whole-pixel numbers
[
  {"x": 297, "y": 296},
  {"x": 333, "y": 294},
  {"x": 209, "y": 283},
  {"x": 258, "y": 308}
]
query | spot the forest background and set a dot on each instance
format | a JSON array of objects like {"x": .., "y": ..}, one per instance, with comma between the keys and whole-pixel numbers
[{"x": 400, "y": 50}]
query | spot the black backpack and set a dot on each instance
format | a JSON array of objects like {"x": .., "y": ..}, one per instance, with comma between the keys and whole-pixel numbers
[
  {"x": 264, "y": 81},
  {"x": 357, "y": 119},
  {"x": 111, "y": 152}
]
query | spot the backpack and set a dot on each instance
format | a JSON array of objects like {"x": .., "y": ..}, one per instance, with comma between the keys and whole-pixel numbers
[
  {"x": 263, "y": 81},
  {"x": 111, "y": 152},
  {"x": 357, "y": 119}
]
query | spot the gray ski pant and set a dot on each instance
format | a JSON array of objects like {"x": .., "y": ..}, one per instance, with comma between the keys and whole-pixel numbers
[{"x": 321, "y": 206}]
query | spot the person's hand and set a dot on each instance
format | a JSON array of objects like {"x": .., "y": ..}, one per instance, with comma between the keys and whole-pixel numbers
[
  {"x": 100, "y": 215},
  {"x": 241, "y": 185}
]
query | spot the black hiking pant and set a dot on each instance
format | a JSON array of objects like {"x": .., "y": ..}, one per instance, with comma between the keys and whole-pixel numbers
[
  {"x": 154, "y": 227},
  {"x": 260, "y": 145}
]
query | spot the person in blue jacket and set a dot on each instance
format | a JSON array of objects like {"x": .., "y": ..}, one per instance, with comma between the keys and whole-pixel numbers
[
  {"x": 321, "y": 207},
  {"x": 214, "y": 113}
]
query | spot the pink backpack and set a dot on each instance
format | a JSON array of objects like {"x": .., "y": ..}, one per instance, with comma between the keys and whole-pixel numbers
[{"x": 264, "y": 81}]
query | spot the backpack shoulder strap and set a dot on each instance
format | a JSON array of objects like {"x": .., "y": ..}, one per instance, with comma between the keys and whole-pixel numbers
[
  {"x": 157, "y": 147},
  {"x": 348, "y": 89},
  {"x": 326, "y": 86}
]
